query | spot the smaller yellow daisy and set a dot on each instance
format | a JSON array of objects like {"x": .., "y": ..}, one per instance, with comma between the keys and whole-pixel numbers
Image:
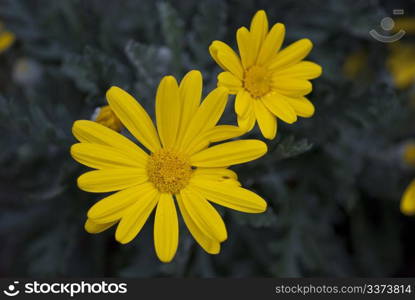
[{"x": 267, "y": 82}]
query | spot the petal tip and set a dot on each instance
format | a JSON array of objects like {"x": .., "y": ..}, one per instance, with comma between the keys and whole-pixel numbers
[
  {"x": 194, "y": 73},
  {"x": 260, "y": 13},
  {"x": 74, "y": 149},
  {"x": 113, "y": 89},
  {"x": 262, "y": 146},
  {"x": 307, "y": 43},
  {"x": 120, "y": 238},
  {"x": 92, "y": 213},
  {"x": 270, "y": 137}
]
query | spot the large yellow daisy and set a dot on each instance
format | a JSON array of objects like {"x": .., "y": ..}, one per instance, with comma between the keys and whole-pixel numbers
[
  {"x": 179, "y": 166},
  {"x": 408, "y": 200},
  {"x": 267, "y": 82}
]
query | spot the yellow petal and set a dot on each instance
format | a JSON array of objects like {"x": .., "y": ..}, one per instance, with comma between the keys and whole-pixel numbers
[
  {"x": 113, "y": 207},
  {"x": 292, "y": 54},
  {"x": 232, "y": 64},
  {"x": 213, "y": 50},
  {"x": 207, "y": 115},
  {"x": 190, "y": 90},
  {"x": 272, "y": 43},
  {"x": 266, "y": 120},
  {"x": 302, "y": 106},
  {"x": 92, "y": 227},
  {"x": 302, "y": 70},
  {"x": 204, "y": 215},
  {"x": 230, "y": 153},
  {"x": 233, "y": 197},
  {"x": 221, "y": 133},
  {"x": 109, "y": 180},
  {"x": 243, "y": 102},
  {"x": 166, "y": 228},
  {"x": 216, "y": 134},
  {"x": 221, "y": 175},
  {"x": 291, "y": 86},
  {"x": 102, "y": 157},
  {"x": 91, "y": 132},
  {"x": 229, "y": 81},
  {"x": 279, "y": 106},
  {"x": 168, "y": 108},
  {"x": 215, "y": 173},
  {"x": 258, "y": 31},
  {"x": 408, "y": 200},
  {"x": 226, "y": 58},
  {"x": 209, "y": 245},
  {"x": 246, "y": 51},
  {"x": 247, "y": 122},
  {"x": 134, "y": 117},
  {"x": 135, "y": 218}
]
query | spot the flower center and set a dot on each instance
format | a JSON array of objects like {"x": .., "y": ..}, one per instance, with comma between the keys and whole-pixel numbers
[
  {"x": 168, "y": 171},
  {"x": 257, "y": 81}
]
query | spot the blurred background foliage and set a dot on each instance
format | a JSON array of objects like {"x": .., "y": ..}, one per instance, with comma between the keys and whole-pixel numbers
[{"x": 333, "y": 182}]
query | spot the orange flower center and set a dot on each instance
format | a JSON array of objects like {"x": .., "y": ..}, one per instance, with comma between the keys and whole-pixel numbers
[
  {"x": 257, "y": 81},
  {"x": 169, "y": 171}
]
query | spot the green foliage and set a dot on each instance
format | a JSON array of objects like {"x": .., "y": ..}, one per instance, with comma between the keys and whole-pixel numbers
[{"x": 332, "y": 182}]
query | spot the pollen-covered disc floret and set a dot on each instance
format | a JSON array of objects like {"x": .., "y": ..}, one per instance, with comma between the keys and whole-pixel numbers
[
  {"x": 168, "y": 171},
  {"x": 257, "y": 81}
]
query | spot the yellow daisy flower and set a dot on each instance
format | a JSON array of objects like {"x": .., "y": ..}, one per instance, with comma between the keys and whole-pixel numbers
[
  {"x": 180, "y": 166},
  {"x": 267, "y": 82},
  {"x": 355, "y": 63},
  {"x": 408, "y": 200},
  {"x": 105, "y": 116},
  {"x": 6, "y": 39}
]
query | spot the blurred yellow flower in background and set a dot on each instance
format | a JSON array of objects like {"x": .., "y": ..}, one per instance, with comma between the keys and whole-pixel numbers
[
  {"x": 408, "y": 197},
  {"x": 180, "y": 166},
  {"x": 105, "y": 116},
  {"x": 269, "y": 83},
  {"x": 408, "y": 155},
  {"x": 408, "y": 200},
  {"x": 355, "y": 63},
  {"x": 405, "y": 23},
  {"x": 7, "y": 38},
  {"x": 401, "y": 63},
  {"x": 401, "y": 60}
]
